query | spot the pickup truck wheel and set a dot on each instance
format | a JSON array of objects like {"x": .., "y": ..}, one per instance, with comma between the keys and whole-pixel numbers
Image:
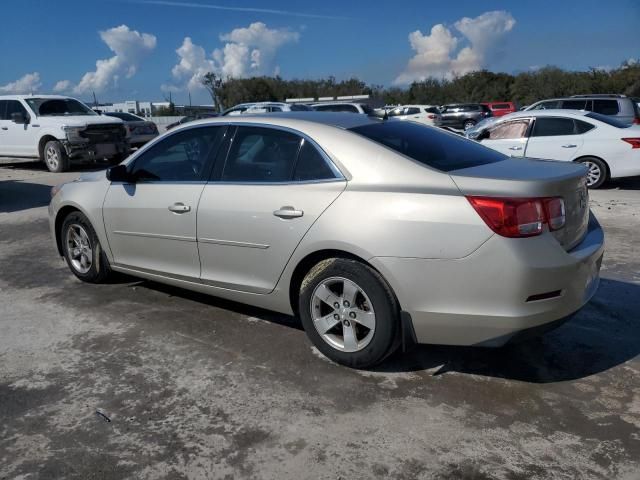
[{"x": 55, "y": 158}]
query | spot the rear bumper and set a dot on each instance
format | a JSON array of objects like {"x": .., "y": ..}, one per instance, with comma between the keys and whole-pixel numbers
[{"x": 489, "y": 297}]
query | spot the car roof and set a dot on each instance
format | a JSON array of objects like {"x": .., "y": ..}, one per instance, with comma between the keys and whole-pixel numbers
[
  {"x": 336, "y": 102},
  {"x": 342, "y": 120},
  {"x": 23, "y": 96},
  {"x": 552, "y": 112}
]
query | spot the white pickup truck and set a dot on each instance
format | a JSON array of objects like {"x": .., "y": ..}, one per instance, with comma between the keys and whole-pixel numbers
[{"x": 58, "y": 130}]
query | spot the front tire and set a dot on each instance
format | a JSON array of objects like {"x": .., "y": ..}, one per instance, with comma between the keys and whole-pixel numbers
[
  {"x": 597, "y": 173},
  {"x": 82, "y": 250},
  {"x": 468, "y": 124},
  {"x": 349, "y": 312},
  {"x": 55, "y": 157}
]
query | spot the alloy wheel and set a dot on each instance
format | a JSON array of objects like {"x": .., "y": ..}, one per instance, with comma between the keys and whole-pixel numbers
[
  {"x": 52, "y": 158},
  {"x": 342, "y": 314},
  {"x": 593, "y": 174},
  {"x": 79, "y": 248}
]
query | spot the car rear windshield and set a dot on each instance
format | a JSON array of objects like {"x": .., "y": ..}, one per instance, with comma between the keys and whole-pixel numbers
[
  {"x": 607, "y": 119},
  {"x": 55, "y": 107},
  {"x": 429, "y": 146}
]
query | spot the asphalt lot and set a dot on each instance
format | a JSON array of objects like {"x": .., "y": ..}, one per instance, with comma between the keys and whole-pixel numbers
[{"x": 199, "y": 388}]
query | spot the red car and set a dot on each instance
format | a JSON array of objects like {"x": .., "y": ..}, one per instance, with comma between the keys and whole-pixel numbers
[{"x": 501, "y": 108}]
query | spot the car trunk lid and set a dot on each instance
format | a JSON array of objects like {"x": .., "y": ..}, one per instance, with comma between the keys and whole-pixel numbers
[{"x": 524, "y": 178}]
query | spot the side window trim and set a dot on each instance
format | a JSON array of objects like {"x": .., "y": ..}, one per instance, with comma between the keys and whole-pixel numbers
[{"x": 216, "y": 177}]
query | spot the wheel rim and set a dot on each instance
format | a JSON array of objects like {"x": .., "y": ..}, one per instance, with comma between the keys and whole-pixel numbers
[
  {"x": 79, "y": 248},
  {"x": 342, "y": 314},
  {"x": 468, "y": 125},
  {"x": 593, "y": 174},
  {"x": 52, "y": 157}
]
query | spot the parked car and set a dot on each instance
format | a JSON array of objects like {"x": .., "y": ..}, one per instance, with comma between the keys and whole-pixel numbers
[
  {"x": 346, "y": 107},
  {"x": 608, "y": 147},
  {"x": 621, "y": 107},
  {"x": 58, "y": 130},
  {"x": 139, "y": 130},
  {"x": 498, "y": 109},
  {"x": 463, "y": 115},
  {"x": 375, "y": 233},
  {"x": 427, "y": 114},
  {"x": 237, "y": 109},
  {"x": 190, "y": 118},
  {"x": 270, "y": 107}
]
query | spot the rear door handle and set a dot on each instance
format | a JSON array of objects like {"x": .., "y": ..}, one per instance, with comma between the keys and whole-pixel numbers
[
  {"x": 179, "y": 207},
  {"x": 569, "y": 145},
  {"x": 515, "y": 148},
  {"x": 288, "y": 212},
  {"x": 5, "y": 128}
]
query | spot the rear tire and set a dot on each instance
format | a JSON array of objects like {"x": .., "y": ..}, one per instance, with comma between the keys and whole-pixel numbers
[
  {"x": 349, "y": 312},
  {"x": 55, "y": 157},
  {"x": 468, "y": 124},
  {"x": 82, "y": 250},
  {"x": 598, "y": 172}
]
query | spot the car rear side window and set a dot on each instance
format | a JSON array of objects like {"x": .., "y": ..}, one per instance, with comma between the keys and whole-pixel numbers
[
  {"x": 260, "y": 154},
  {"x": 182, "y": 157},
  {"x": 574, "y": 104},
  {"x": 606, "y": 107},
  {"x": 583, "y": 127},
  {"x": 311, "y": 165},
  {"x": 550, "y": 127},
  {"x": 428, "y": 146}
]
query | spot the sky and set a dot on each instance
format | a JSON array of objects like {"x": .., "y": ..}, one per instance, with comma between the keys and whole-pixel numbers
[{"x": 144, "y": 49}]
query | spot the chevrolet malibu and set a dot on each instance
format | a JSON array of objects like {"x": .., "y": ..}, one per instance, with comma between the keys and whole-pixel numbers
[{"x": 375, "y": 233}]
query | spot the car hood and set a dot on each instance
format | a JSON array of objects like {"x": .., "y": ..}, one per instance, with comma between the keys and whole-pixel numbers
[
  {"x": 92, "y": 176},
  {"x": 80, "y": 120}
]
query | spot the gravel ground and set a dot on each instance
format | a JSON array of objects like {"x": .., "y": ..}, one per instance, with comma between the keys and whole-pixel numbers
[{"x": 142, "y": 381}]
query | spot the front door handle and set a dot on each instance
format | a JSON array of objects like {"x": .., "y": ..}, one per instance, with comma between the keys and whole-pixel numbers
[
  {"x": 288, "y": 212},
  {"x": 569, "y": 145},
  {"x": 179, "y": 207},
  {"x": 515, "y": 148},
  {"x": 5, "y": 128}
]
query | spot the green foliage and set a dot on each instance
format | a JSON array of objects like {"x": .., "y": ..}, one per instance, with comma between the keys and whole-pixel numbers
[
  {"x": 169, "y": 111},
  {"x": 483, "y": 86}
]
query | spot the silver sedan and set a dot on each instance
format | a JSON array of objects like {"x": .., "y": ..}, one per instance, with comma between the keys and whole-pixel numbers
[{"x": 375, "y": 233}]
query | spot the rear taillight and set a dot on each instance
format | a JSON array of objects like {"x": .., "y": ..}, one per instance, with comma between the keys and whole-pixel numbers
[
  {"x": 635, "y": 142},
  {"x": 636, "y": 121},
  {"x": 520, "y": 217},
  {"x": 431, "y": 116}
]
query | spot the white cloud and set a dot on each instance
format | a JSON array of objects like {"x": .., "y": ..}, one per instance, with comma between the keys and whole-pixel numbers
[
  {"x": 436, "y": 52},
  {"x": 247, "y": 51},
  {"x": 26, "y": 84},
  {"x": 130, "y": 48}
]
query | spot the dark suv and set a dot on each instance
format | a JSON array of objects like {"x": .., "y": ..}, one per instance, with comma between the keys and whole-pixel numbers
[
  {"x": 463, "y": 115},
  {"x": 621, "y": 107}
]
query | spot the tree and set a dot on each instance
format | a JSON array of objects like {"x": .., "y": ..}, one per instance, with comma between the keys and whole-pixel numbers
[{"x": 213, "y": 83}]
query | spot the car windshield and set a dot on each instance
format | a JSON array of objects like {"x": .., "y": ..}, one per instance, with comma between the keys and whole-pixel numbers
[
  {"x": 127, "y": 117},
  {"x": 58, "y": 107},
  {"x": 429, "y": 146},
  {"x": 609, "y": 120}
]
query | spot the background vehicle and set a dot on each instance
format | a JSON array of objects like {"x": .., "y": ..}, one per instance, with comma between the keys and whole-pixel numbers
[
  {"x": 463, "y": 115},
  {"x": 348, "y": 107},
  {"x": 609, "y": 148},
  {"x": 139, "y": 130},
  {"x": 498, "y": 109},
  {"x": 190, "y": 118},
  {"x": 237, "y": 109},
  {"x": 58, "y": 130},
  {"x": 270, "y": 107},
  {"x": 427, "y": 114},
  {"x": 621, "y": 107},
  {"x": 374, "y": 232}
]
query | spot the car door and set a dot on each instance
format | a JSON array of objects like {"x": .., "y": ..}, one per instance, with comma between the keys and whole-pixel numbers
[
  {"x": 4, "y": 128},
  {"x": 20, "y": 138},
  {"x": 255, "y": 211},
  {"x": 509, "y": 137},
  {"x": 554, "y": 138},
  {"x": 151, "y": 222}
]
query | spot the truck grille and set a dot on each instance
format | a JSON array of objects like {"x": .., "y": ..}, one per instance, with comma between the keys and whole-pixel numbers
[{"x": 104, "y": 133}]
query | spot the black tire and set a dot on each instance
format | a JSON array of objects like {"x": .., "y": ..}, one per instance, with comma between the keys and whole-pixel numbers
[
  {"x": 468, "y": 124},
  {"x": 55, "y": 157},
  {"x": 383, "y": 339},
  {"x": 99, "y": 270},
  {"x": 595, "y": 165}
]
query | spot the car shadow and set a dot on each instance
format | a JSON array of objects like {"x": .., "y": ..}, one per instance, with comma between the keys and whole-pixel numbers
[
  {"x": 603, "y": 335},
  {"x": 19, "y": 195},
  {"x": 625, "y": 183}
]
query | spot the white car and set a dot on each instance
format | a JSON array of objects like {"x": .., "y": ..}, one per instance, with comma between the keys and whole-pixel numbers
[
  {"x": 271, "y": 107},
  {"x": 607, "y": 146},
  {"x": 426, "y": 114},
  {"x": 58, "y": 130},
  {"x": 344, "y": 107}
]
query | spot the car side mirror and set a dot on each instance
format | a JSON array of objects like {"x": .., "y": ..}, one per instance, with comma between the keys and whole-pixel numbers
[
  {"x": 19, "y": 118},
  {"x": 119, "y": 173}
]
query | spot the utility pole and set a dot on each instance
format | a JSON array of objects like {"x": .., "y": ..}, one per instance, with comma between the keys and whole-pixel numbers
[
  {"x": 95, "y": 101},
  {"x": 189, "y": 98}
]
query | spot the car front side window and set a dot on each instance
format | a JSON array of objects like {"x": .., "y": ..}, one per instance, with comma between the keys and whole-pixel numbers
[
  {"x": 509, "y": 130},
  {"x": 182, "y": 157}
]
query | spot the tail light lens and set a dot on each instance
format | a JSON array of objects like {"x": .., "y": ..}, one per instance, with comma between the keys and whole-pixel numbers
[
  {"x": 431, "y": 116},
  {"x": 635, "y": 142},
  {"x": 520, "y": 217}
]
